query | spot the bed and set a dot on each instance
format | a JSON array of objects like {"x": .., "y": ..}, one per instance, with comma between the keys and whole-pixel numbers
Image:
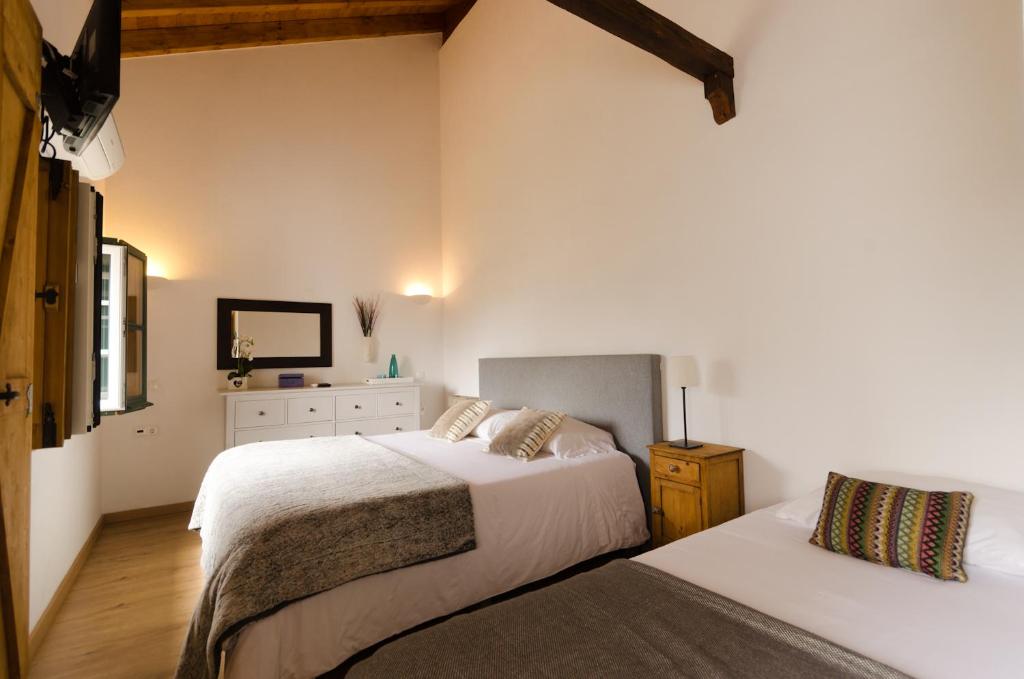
[
  {"x": 532, "y": 519},
  {"x": 908, "y": 623}
]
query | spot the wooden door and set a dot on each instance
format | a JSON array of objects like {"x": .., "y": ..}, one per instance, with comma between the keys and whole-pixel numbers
[
  {"x": 680, "y": 512},
  {"x": 20, "y": 49}
]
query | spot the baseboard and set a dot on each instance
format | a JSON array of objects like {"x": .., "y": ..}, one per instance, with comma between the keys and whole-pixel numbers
[
  {"x": 38, "y": 633},
  {"x": 148, "y": 512}
]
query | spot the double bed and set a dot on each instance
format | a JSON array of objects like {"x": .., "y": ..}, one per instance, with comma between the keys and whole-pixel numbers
[{"x": 532, "y": 519}]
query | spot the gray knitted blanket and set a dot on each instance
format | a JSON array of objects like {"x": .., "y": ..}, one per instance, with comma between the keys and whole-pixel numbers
[
  {"x": 623, "y": 620},
  {"x": 284, "y": 520}
]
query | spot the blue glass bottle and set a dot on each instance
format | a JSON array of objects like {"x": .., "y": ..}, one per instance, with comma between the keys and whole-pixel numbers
[{"x": 393, "y": 367}]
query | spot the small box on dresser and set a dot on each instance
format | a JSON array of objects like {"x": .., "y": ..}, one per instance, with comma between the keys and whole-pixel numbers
[
  {"x": 280, "y": 414},
  {"x": 692, "y": 490}
]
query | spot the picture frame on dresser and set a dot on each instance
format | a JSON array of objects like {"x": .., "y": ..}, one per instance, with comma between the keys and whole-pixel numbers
[{"x": 282, "y": 414}]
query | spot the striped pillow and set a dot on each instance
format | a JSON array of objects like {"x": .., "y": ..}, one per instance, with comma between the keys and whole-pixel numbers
[
  {"x": 526, "y": 434},
  {"x": 459, "y": 420},
  {"x": 895, "y": 526}
]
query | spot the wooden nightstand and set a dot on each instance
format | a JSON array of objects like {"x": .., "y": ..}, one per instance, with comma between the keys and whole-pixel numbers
[{"x": 692, "y": 490}]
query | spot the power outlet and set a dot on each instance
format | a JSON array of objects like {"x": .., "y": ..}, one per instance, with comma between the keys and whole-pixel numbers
[{"x": 148, "y": 430}]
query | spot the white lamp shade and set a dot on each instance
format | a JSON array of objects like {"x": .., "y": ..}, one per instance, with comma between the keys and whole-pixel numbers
[{"x": 682, "y": 372}]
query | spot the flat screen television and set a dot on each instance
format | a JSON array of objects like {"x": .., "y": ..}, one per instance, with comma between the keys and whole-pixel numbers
[{"x": 80, "y": 91}]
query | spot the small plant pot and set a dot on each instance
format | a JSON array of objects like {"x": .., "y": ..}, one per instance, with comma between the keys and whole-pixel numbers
[{"x": 238, "y": 383}]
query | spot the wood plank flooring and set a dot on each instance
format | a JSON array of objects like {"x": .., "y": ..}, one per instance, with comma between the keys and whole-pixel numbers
[{"x": 127, "y": 613}]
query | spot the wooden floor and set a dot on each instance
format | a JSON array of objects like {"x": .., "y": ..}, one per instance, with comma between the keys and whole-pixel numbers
[{"x": 126, "y": 614}]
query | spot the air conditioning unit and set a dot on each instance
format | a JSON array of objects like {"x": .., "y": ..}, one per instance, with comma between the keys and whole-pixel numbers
[{"x": 101, "y": 158}]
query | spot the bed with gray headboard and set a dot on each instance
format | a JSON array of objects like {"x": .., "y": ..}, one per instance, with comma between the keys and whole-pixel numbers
[{"x": 620, "y": 394}]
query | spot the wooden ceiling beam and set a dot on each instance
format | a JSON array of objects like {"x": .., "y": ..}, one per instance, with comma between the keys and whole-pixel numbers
[
  {"x": 639, "y": 25},
  {"x": 143, "y": 8},
  {"x": 148, "y": 42},
  {"x": 454, "y": 16}
]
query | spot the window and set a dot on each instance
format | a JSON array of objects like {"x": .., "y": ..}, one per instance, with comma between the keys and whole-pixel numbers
[{"x": 122, "y": 328}]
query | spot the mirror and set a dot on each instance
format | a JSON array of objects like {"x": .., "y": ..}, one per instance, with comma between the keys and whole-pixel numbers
[{"x": 286, "y": 334}]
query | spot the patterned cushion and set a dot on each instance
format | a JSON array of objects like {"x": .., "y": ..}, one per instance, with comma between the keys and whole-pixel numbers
[
  {"x": 459, "y": 420},
  {"x": 526, "y": 434},
  {"x": 894, "y": 526}
]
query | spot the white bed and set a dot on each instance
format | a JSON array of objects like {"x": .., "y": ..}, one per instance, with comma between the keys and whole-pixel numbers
[
  {"x": 533, "y": 519},
  {"x": 916, "y": 624}
]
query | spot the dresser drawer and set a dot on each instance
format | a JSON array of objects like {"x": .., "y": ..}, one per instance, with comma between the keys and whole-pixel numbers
[
  {"x": 258, "y": 413},
  {"x": 392, "y": 425},
  {"x": 308, "y": 431},
  {"x": 396, "y": 403},
  {"x": 357, "y": 427},
  {"x": 677, "y": 470},
  {"x": 310, "y": 409},
  {"x": 355, "y": 406}
]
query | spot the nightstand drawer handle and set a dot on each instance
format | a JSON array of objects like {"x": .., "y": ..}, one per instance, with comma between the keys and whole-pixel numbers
[
  {"x": 261, "y": 413},
  {"x": 673, "y": 468},
  {"x": 657, "y": 510}
]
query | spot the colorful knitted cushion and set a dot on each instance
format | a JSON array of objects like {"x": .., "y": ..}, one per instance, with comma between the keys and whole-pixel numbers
[{"x": 894, "y": 526}]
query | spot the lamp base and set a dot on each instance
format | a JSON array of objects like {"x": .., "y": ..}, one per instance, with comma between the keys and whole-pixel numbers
[{"x": 686, "y": 445}]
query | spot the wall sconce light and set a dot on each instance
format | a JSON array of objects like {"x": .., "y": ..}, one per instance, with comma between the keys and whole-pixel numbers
[
  {"x": 420, "y": 293},
  {"x": 156, "y": 274}
]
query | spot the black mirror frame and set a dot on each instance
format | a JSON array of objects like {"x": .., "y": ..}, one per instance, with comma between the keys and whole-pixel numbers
[{"x": 224, "y": 339}]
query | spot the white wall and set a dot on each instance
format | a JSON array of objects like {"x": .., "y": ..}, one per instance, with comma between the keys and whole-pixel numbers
[
  {"x": 303, "y": 173},
  {"x": 65, "y": 481},
  {"x": 844, "y": 257}
]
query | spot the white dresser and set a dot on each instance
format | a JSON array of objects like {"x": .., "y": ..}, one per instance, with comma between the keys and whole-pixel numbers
[{"x": 279, "y": 414}]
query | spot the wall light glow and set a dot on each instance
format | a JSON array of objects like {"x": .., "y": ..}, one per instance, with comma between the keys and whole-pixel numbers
[
  {"x": 419, "y": 290},
  {"x": 155, "y": 268}
]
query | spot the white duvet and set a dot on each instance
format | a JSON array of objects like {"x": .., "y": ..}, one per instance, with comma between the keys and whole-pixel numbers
[
  {"x": 533, "y": 519},
  {"x": 917, "y": 624}
]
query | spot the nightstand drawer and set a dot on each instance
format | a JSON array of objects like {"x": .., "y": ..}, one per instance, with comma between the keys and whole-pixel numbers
[
  {"x": 677, "y": 470},
  {"x": 311, "y": 409},
  {"x": 258, "y": 413}
]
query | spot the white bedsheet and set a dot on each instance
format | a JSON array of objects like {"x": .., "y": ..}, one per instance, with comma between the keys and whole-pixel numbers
[
  {"x": 533, "y": 519},
  {"x": 919, "y": 625}
]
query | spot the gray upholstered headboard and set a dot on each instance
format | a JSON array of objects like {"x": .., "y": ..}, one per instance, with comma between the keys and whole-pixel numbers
[{"x": 620, "y": 394}]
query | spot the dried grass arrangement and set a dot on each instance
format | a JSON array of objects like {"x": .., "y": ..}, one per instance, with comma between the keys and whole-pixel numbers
[{"x": 367, "y": 311}]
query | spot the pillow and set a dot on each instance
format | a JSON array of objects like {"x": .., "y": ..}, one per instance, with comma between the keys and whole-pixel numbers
[
  {"x": 493, "y": 422},
  {"x": 574, "y": 438},
  {"x": 995, "y": 540},
  {"x": 459, "y": 420},
  {"x": 921, "y": 531},
  {"x": 524, "y": 436}
]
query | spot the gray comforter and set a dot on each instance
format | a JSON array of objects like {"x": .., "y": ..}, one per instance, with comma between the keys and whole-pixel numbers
[
  {"x": 285, "y": 520},
  {"x": 623, "y": 620}
]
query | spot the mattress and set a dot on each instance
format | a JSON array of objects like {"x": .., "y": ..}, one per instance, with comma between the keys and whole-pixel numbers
[
  {"x": 914, "y": 623},
  {"x": 532, "y": 519}
]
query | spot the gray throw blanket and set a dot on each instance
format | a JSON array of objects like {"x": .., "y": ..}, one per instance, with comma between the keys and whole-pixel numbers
[
  {"x": 288, "y": 519},
  {"x": 623, "y": 620}
]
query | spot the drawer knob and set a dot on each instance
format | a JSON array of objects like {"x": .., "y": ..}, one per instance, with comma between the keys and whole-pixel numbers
[
  {"x": 398, "y": 403},
  {"x": 398, "y": 429},
  {"x": 359, "y": 433},
  {"x": 261, "y": 413},
  {"x": 312, "y": 410},
  {"x": 674, "y": 468},
  {"x": 358, "y": 407}
]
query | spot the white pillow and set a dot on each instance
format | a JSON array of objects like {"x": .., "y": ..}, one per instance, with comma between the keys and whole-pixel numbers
[
  {"x": 574, "y": 438},
  {"x": 493, "y": 422},
  {"x": 995, "y": 536}
]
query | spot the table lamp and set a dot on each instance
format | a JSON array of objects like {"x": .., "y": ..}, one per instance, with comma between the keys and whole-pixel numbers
[{"x": 682, "y": 373}]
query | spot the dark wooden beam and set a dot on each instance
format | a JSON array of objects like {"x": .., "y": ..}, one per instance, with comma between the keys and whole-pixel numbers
[
  {"x": 147, "y": 42},
  {"x": 454, "y": 16},
  {"x": 640, "y": 25}
]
